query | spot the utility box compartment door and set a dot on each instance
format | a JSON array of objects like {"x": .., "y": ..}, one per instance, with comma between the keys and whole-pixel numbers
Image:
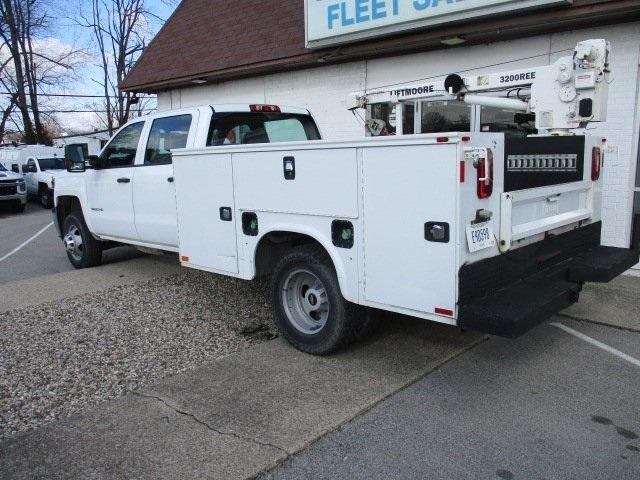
[
  {"x": 204, "y": 186},
  {"x": 323, "y": 181},
  {"x": 406, "y": 188}
]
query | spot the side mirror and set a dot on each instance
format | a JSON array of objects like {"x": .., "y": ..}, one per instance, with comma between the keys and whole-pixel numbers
[
  {"x": 74, "y": 158},
  {"x": 95, "y": 162}
]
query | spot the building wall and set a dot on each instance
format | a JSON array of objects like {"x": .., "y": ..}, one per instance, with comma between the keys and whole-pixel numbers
[{"x": 324, "y": 91}]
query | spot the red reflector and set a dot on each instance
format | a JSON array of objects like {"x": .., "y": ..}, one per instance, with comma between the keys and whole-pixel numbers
[
  {"x": 265, "y": 108},
  {"x": 442, "y": 139},
  {"x": 184, "y": 258},
  {"x": 596, "y": 163},
  {"x": 444, "y": 311},
  {"x": 462, "y": 171},
  {"x": 466, "y": 139}
]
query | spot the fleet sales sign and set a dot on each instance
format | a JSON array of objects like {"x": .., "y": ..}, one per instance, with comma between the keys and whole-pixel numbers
[{"x": 332, "y": 22}]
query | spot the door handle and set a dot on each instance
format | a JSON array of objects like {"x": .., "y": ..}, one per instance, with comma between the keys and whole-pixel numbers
[
  {"x": 289, "y": 168},
  {"x": 170, "y": 179},
  {"x": 124, "y": 180}
]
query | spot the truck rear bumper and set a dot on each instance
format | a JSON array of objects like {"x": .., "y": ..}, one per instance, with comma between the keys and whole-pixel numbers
[{"x": 512, "y": 293}]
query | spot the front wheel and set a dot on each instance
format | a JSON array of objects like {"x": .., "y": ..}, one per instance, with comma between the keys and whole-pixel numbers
[
  {"x": 309, "y": 308},
  {"x": 83, "y": 250},
  {"x": 45, "y": 197}
]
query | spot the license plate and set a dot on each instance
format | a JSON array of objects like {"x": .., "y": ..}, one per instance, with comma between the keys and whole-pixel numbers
[{"x": 480, "y": 236}]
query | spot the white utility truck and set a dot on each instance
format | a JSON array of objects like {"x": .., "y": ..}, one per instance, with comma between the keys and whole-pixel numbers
[
  {"x": 469, "y": 229},
  {"x": 39, "y": 165}
]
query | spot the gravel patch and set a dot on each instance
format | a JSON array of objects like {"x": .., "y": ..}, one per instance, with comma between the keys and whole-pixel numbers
[{"x": 62, "y": 357}]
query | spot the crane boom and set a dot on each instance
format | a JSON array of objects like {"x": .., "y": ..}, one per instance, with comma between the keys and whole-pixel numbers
[{"x": 565, "y": 95}]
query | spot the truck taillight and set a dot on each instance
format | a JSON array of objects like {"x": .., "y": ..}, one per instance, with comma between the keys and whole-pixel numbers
[
  {"x": 484, "y": 169},
  {"x": 265, "y": 108},
  {"x": 596, "y": 163}
]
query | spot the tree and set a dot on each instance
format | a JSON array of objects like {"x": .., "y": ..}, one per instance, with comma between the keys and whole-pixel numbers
[
  {"x": 121, "y": 30},
  {"x": 24, "y": 25}
]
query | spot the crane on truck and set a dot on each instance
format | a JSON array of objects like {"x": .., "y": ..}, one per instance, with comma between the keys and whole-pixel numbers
[
  {"x": 568, "y": 94},
  {"x": 474, "y": 230}
]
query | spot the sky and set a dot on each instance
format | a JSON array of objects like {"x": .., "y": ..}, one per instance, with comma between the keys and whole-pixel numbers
[{"x": 65, "y": 32}]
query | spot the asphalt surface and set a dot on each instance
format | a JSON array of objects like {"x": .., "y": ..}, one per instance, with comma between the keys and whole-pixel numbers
[
  {"x": 42, "y": 256},
  {"x": 546, "y": 406}
]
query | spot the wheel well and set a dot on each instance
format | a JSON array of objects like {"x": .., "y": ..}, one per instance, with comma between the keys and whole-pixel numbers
[
  {"x": 66, "y": 205},
  {"x": 274, "y": 245}
]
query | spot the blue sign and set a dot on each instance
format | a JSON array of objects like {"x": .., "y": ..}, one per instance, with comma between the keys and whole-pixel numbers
[{"x": 330, "y": 22}]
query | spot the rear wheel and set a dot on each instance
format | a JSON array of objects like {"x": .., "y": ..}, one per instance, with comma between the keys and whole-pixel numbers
[
  {"x": 83, "y": 250},
  {"x": 309, "y": 308}
]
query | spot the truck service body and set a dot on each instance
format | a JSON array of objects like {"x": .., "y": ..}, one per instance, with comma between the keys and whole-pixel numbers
[{"x": 472, "y": 230}]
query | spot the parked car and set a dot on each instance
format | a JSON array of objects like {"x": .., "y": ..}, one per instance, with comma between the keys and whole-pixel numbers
[{"x": 13, "y": 190}]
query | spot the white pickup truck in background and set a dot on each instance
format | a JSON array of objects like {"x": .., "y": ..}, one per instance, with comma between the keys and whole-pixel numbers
[
  {"x": 39, "y": 165},
  {"x": 472, "y": 230}
]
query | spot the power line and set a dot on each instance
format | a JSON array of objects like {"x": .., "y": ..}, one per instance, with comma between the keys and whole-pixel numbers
[
  {"x": 50, "y": 112},
  {"x": 72, "y": 95}
]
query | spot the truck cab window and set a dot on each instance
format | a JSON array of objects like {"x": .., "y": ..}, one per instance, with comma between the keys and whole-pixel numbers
[
  {"x": 445, "y": 116},
  {"x": 408, "y": 118},
  {"x": 258, "y": 127},
  {"x": 166, "y": 134},
  {"x": 515, "y": 125},
  {"x": 121, "y": 151},
  {"x": 55, "y": 163}
]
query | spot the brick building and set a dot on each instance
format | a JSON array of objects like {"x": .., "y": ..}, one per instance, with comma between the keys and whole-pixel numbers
[{"x": 225, "y": 51}]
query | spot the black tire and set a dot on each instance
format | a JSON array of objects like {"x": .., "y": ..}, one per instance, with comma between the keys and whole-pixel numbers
[
  {"x": 342, "y": 316},
  {"x": 18, "y": 207},
  {"x": 90, "y": 255},
  {"x": 45, "y": 197}
]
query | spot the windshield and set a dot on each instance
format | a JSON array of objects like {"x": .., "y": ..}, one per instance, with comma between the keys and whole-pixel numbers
[
  {"x": 241, "y": 128},
  {"x": 2, "y": 169},
  {"x": 51, "y": 164}
]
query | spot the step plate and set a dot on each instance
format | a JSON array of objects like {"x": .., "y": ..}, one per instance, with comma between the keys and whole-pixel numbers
[
  {"x": 602, "y": 264},
  {"x": 512, "y": 311}
]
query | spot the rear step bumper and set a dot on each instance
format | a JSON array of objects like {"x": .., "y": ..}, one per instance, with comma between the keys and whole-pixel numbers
[{"x": 525, "y": 287}]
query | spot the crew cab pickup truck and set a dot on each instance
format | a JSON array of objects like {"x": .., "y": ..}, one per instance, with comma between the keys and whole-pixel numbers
[{"x": 472, "y": 230}]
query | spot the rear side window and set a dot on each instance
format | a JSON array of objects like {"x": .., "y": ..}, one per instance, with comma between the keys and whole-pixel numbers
[
  {"x": 166, "y": 134},
  {"x": 121, "y": 151},
  {"x": 236, "y": 128}
]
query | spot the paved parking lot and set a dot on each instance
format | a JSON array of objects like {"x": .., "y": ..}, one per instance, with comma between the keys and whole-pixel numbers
[
  {"x": 39, "y": 249},
  {"x": 546, "y": 406}
]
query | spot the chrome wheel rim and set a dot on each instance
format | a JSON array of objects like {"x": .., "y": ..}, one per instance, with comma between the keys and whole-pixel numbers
[
  {"x": 44, "y": 198},
  {"x": 305, "y": 301},
  {"x": 73, "y": 243}
]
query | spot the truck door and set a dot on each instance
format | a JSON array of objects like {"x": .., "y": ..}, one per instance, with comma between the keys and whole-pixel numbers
[
  {"x": 109, "y": 190},
  {"x": 154, "y": 195},
  {"x": 29, "y": 171}
]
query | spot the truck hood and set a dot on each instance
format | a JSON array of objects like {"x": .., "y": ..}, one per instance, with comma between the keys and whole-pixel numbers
[{"x": 9, "y": 176}]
